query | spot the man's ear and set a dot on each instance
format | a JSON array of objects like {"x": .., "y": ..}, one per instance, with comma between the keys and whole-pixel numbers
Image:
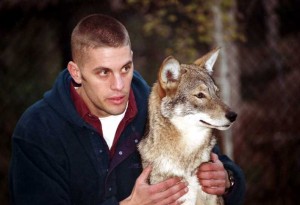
[{"x": 74, "y": 72}]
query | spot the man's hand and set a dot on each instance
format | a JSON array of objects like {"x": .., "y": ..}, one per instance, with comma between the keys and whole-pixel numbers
[
  {"x": 213, "y": 177},
  {"x": 166, "y": 192}
]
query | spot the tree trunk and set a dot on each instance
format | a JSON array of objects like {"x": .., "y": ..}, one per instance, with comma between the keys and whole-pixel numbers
[{"x": 228, "y": 78}]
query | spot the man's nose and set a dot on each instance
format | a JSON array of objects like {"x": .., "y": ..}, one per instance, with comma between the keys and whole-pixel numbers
[{"x": 117, "y": 83}]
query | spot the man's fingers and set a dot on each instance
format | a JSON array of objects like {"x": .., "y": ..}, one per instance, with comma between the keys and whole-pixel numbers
[
  {"x": 214, "y": 190},
  {"x": 213, "y": 183},
  {"x": 166, "y": 192},
  {"x": 214, "y": 157},
  {"x": 173, "y": 199},
  {"x": 211, "y": 175},
  {"x": 171, "y": 190},
  {"x": 162, "y": 186},
  {"x": 211, "y": 166},
  {"x": 145, "y": 175}
]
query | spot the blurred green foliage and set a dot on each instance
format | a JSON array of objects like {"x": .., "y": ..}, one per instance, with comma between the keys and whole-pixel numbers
[{"x": 185, "y": 25}]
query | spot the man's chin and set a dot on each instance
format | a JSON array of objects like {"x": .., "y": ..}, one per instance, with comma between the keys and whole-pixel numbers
[{"x": 118, "y": 110}]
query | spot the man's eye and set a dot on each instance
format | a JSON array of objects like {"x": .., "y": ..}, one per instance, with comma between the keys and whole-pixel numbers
[
  {"x": 104, "y": 72},
  {"x": 125, "y": 69}
]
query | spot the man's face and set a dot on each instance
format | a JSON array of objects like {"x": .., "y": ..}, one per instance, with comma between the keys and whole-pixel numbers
[{"x": 105, "y": 78}]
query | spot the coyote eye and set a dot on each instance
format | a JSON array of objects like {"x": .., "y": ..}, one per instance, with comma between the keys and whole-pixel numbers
[{"x": 200, "y": 95}]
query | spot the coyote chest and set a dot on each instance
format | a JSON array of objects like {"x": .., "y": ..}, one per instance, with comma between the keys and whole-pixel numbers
[{"x": 184, "y": 107}]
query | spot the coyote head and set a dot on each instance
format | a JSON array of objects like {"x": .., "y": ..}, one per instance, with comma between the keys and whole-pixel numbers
[{"x": 189, "y": 95}]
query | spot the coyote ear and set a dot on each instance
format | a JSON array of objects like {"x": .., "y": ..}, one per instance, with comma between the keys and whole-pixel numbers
[
  {"x": 170, "y": 70},
  {"x": 169, "y": 74},
  {"x": 207, "y": 61}
]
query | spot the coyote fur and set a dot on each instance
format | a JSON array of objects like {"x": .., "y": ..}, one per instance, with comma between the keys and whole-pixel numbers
[{"x": 184, "y": 108}]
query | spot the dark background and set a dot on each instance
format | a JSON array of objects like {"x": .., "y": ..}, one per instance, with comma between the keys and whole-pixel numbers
[{"x": 262, "y": 42}]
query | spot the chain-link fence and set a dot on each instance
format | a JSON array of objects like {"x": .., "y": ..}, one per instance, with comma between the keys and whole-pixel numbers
[{"x": 267, "y": 138}]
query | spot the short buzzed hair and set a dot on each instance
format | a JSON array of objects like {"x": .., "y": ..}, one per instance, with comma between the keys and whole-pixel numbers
[{"x": 95, "y": 31}]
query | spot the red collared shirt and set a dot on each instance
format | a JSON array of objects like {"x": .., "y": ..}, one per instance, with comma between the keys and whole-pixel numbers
[{"x": 93, "y": 120}]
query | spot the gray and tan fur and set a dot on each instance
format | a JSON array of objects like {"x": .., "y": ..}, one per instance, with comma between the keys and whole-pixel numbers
[{"x": 184, "y": 107}]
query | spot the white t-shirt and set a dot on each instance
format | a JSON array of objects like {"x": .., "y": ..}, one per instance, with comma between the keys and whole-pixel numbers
[{"x": 110, "y": 125}]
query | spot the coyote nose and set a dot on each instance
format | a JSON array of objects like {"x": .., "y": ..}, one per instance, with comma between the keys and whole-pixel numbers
[{"x": 231, "y": 116}]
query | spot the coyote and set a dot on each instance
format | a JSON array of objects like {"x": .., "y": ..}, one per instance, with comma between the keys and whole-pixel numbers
[{"x": 184, "y": 108}]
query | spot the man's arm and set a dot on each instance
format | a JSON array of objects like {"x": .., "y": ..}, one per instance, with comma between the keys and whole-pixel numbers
[
  {"x": 214, "y": 178},
  {"x": 35, "y": 178},
  {"x": 236, "y": 194}
]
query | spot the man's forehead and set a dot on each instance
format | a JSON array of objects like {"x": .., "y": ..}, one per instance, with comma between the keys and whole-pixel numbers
[{"x": 108, "y": 57}]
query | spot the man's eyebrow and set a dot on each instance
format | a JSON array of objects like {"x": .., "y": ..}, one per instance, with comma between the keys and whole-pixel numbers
[
  {"x": 100, "y": 68},
  {"x": 129, "y": 62},
  {"x": 105, "y": 68}
]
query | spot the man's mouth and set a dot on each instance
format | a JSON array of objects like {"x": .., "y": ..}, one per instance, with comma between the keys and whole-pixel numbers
[{"x": 117, "y": 100}]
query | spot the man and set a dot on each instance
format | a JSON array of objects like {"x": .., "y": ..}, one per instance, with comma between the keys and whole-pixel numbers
[{"x": 78, "y": 144}]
